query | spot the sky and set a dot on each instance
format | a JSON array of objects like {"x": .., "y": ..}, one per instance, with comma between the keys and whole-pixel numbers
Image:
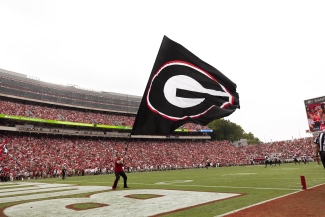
[{"x": 273, "y": 50}]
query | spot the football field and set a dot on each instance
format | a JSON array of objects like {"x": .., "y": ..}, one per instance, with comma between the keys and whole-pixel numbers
[{"x": 190, "y": 192}]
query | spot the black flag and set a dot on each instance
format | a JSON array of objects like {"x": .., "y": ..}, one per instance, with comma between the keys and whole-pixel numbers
[{"x": 182, "y": 88}]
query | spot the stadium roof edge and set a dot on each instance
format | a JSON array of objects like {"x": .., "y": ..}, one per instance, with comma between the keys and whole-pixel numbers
[
  {"x": 67, "y": 86},
  {"x": 13, "y": 73}
]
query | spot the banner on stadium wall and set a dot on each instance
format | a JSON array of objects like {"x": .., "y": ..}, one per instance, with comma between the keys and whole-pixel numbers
[
  {"x": 100, "y": 126},
  {"x": 315, "y": 112},
  {"x": 21, "y": 118}
]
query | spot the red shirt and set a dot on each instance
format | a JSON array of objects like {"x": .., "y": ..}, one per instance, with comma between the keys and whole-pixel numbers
[
  {"x": 118, "y": 167},
  {"x": 316, "y": 118}
]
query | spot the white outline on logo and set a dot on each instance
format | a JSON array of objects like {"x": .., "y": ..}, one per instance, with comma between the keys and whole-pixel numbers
[{"x": 182, "y": 63}]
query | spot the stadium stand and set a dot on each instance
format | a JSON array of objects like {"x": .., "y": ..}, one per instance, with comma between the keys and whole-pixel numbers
[
  {"x": 38, "y": 156},
  {"x": 37, "y": 148}
]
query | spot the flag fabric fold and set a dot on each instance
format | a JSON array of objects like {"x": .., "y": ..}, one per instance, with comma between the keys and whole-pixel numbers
[{"x": 182, "y": 88}]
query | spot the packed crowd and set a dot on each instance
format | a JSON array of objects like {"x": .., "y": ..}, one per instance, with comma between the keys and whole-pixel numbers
[
  {"x": 62, "y": 114},
  {"x": 42, "y": 157},
  {"x": 80, "y": 116}
]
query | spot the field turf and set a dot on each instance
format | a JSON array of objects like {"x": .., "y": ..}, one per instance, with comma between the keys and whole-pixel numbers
[{"x": 254, "y": 183}]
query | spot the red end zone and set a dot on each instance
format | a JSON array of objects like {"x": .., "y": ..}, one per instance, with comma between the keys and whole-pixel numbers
[{"x": 309, "y": 202}]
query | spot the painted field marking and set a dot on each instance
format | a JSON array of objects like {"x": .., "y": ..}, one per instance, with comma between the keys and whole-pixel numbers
[
  {"x": 31, "y": 191},
  {"x": 5, "y": 185},
  {"x": 220, "y": 186},
  {"x": 53, "y": 187},
  {"x": 34, "y": 187},
  {"x": 173, "y": 182},
  {"x": 239, "y": 174},
  {"x": 256, "y": 204},
  {"x": 8, "y": 186},
  {"x": 320, "y": 179},
  {"x": 260, "y": 178},
  {"x": 170, "y": 201}
]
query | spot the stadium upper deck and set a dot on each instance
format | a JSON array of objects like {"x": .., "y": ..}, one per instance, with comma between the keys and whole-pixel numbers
[{"x": 18, "y": 85}]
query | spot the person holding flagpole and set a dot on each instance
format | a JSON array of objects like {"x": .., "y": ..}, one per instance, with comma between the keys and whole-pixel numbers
[{"x": 119, "y": 171}]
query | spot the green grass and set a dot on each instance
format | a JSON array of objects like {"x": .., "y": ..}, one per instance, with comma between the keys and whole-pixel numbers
[
  {"x": 83, "y": 206},
  {"x": 255, "y": 183},
  {"x": 143, "y": 196}
]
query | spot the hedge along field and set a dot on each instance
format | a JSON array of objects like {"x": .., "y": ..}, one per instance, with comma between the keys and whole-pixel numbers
[{"x": 254, "y": 184}]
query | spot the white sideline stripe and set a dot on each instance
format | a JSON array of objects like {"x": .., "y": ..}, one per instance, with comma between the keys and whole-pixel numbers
[
  {"x": 8, "y": 186},
  {"x": 22, "y": 183},
  {"x": 218, "y": 186},
  {"x": 4, "y": 184},
  {"x": 50, "y": 186},
  {"x": 15, "y": 184},
  {"x": 256, "y": 204},
  {"x": 35, "y": 190}
]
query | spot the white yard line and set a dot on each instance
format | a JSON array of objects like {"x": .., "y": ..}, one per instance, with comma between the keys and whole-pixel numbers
[
  {"x": 34, "y": 186},
  {"x": 219, "y": 186},
  {"x": 31, "y": 191},
  {"x": 6, "y": 185},
  {"x": 22, "y": 183},
  {"x": 237, "y": 210}
]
